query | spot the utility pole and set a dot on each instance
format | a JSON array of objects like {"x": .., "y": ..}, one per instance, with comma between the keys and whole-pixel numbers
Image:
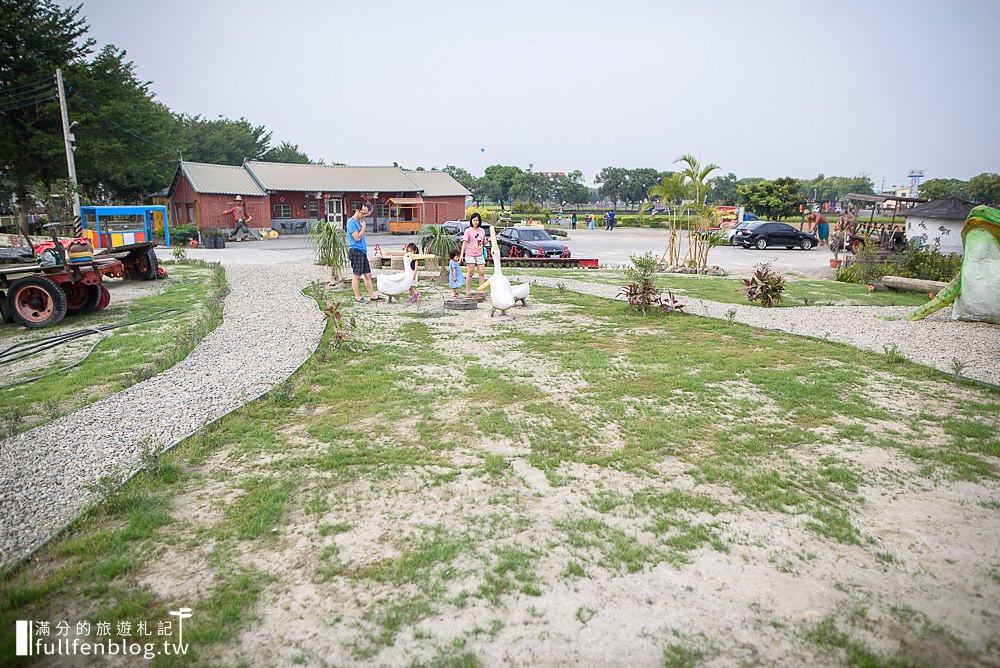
[{"x": 70, "y": 164}]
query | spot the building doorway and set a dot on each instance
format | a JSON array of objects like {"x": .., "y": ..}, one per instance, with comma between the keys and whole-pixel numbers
[{"x": 335, "y": 211}]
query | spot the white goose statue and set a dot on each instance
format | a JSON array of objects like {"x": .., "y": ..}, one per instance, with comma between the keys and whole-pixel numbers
[
  {"x": 394, "y": 285},
  {"x": 501, "y": 293},
  {"x": 521, "y": 291}
]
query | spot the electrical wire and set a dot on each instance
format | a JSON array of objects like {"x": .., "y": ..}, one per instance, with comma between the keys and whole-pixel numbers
[
  {"x": 102, "y": 115},
  {"x": 38, "y": 82},
  {"x": 25, "y": 349},
  {"x": 33, "y": 102}
]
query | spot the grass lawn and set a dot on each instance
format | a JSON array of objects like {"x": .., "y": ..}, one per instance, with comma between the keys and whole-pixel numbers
[
  {"x": 577, "y": 484},
  {"x": 127, "y": 356},
  {"x": 798, "y": 291}
]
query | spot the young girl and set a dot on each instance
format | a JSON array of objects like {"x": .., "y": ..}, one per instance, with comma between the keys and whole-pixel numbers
[
  {"x": 414, "y": 294},
  {"x": 455, "y": 278}
]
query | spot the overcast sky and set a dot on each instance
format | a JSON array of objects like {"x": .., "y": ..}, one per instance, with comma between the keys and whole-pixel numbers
[{"x": 769, "y": 88}]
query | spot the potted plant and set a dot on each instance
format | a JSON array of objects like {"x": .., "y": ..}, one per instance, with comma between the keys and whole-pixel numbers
[
  {"x": 329, "y": 240},
  {"x": 435, "y": 239},
  {"x": 837, "y": 245}
]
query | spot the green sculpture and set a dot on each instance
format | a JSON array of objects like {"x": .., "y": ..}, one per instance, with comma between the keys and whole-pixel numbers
[{"x": 975, "y": 292}]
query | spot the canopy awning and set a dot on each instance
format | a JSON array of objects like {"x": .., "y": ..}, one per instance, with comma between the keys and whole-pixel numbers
[{"x": 405, "y": 200}]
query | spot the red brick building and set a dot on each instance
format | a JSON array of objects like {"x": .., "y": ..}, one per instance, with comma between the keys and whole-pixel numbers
[{"x": 290, "y": 197}]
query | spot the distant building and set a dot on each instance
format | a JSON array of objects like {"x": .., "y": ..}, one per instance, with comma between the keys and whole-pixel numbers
[
  {"x": 292, "y": 197},
  {"x": 938, "y": 222}
]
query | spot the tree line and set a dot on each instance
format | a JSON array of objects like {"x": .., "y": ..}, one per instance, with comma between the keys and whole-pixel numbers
[{"x": 127, "y": 143}]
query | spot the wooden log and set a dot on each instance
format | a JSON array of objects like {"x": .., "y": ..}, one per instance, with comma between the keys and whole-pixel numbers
[{"x": 912, "y": 284}]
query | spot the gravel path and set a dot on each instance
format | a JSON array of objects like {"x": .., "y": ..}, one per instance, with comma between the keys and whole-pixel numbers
[
  {"x": 936, "y": 341},
  {"x": 46, "y": 474}
]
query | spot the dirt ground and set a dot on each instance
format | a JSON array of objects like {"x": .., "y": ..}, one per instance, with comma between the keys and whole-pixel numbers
[{"x": 565, "y": 569}]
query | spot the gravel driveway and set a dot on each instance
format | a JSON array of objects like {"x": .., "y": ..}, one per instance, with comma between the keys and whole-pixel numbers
[
  {"x": 937, "y": 341},
  {"x": 47, "y": 474}
]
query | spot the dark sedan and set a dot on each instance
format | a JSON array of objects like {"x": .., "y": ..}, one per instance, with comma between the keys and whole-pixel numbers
[
  {"x": 529, "y": 242},
  {"x": 763, "y": 234},
  {"x": 456, "y": 230}
]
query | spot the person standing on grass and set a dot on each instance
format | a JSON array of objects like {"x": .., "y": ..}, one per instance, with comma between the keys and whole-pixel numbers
[
  {"x": 473, "y": 250},
  {"x": 357, "y": 253},
  {"x": 572, "y": 221},
  {"x": 611, "y": 219},
  {"x": 455, "y": 278},
  {"x": 590, "y": 222}
]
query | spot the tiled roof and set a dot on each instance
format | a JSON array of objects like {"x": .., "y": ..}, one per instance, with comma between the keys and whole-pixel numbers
[
  {"x": 330, "y": 178},
  {"x": 437, "y": 184},
  {"x": 221, "y": 179}
]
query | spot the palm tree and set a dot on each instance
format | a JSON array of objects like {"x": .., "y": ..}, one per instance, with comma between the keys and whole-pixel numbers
[
  {"x": 435, "y": 239},
  {"x": 697, "y": 177},
  {"x": 671, "y": 191},
  {"x": 330, "y": 243},
  {"x": 698, "y": 180}
]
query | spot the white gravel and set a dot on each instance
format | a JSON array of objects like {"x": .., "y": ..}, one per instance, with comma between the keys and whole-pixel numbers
[
  {"x": 47, "y": 474},
  {"x": 935, "y": 342}
]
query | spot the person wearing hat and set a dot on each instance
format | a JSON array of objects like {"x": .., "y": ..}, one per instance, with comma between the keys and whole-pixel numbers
[{"x": 240, "y": 218}]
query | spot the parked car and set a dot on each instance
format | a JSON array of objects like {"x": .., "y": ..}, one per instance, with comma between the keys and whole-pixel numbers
[
  {"x": 523, "y": 241},
  {"x": 456, "y": 229},
  {"x": 733, "y": 231},
  {"x": 760, "y": 235}
]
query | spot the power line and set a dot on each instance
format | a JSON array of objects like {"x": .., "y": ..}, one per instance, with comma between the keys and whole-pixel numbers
[
  {"x": 11, "y": 89},
  {"x": 28, "y": 103},
  {"x": 101, "y": 114}
]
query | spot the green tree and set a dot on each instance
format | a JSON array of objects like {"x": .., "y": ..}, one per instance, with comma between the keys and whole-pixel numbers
[
  {"x": 223, "y": 141},
  {"x": 613, "y": 184},
  {"x": 697, "y": 177},
  {"x": 461, "y": 175},
  {"x": 671, "y": 190},
  {"x": 287, "y": 153},
  {"x": 723, "y": 190},
  {"x": 569, "y": 188},
  {"x": 832, "y": 188},
  {"x": 937, "y": 188},
  {"x": 480, "y": 189},
  {"x": 985, "y": 188},
  {"x": 36, "y": 37},
  {"x": 531, "y": 186},
  {"x": 638, "y": 183},
  {"x": 123, "y": 135},
  {"x": 773, "y": 200},
  {"x": 501, "y": 178}
]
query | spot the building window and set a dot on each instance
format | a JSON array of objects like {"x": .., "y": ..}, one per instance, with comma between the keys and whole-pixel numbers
[
  {"x": 381, "y": 210},
  {"x": 191, "y": 216},
  {"x": 313, "y": 208},
  {"x": 355, "y": 205},
  {"x": 282, "y": 211}
]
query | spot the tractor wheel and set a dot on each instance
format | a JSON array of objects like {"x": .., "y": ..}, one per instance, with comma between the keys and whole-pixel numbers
[
  {"x": 36, "y": 301},
  {"x": 144, "y": 267},
  {"x": 105, "y": 299},
  {"x": 5, "y": 315},
  {"x": 81, "y": 298}
]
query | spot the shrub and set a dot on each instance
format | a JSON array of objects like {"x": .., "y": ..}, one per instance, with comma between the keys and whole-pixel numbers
[
  {"x": 183, "y": 234},
  {"x": 929, "y": 263},
  {"x": 524, "y": 206},
  {"x": 924, "y": 262},
  {"x": 486, "y": 213},
  {"x": 329, "y": 242},
  {"x": 764, "y": 286},
  {"x": 641, "y": 294}
]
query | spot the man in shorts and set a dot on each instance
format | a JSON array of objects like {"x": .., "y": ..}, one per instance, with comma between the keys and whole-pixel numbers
[{"x": 357, "y": 253}]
